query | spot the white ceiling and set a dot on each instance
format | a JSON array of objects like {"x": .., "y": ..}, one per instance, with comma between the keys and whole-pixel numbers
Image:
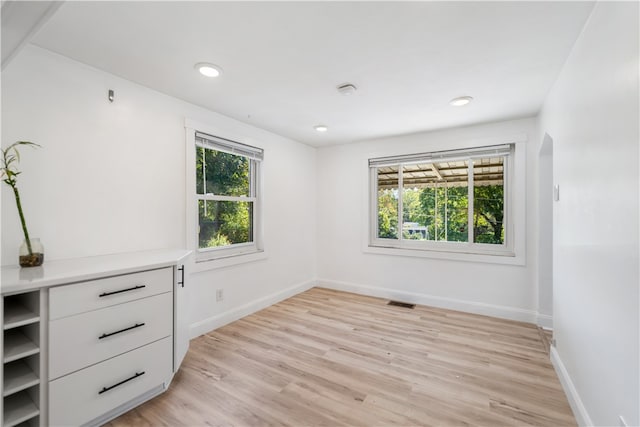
[
  {"x": 20, "y": 21},
  {"x": 282, "y": 61}
]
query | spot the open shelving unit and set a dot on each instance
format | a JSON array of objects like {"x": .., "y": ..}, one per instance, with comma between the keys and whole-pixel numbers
[
  {"x": 18, "y": 315},
  {"x": 21, "y": 359}
]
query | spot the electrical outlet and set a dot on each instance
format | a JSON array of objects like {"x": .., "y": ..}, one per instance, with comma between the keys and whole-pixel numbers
[
  {"x": 219, "y": 295},
  {"x": 622, "y": 422}
]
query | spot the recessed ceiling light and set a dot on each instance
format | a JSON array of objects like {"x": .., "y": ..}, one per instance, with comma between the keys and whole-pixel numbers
[
  {"x": 460, "y": 101},
  {"x": 207, "y": 69},
  {"x": 321, "y": 128}
]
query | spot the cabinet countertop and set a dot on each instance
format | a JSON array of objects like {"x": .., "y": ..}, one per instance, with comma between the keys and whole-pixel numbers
[{"x": 16, "y": 279}]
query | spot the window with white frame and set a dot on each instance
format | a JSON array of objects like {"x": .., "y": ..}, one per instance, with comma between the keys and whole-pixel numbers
[
  {"x": 457, "y": 201},
  {"x": 227, "y": 196}
]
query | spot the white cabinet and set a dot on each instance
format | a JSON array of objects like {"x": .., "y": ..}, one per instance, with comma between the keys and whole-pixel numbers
[
  {"x": 86, "y": 340},
  {"x": 181, "y": 319}
]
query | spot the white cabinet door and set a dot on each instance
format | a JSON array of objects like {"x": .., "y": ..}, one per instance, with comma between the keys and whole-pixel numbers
[{"x": 181, "y": 315}]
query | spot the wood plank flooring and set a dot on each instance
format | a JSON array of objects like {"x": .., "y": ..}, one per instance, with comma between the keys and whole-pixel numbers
[{"x": 329, "y": 358}]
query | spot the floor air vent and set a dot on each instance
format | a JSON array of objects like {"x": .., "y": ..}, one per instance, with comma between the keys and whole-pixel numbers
[{"x": 401, "y": 304}]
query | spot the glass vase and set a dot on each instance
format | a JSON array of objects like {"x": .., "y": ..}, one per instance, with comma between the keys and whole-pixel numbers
[{"x": 36, "y": 257}]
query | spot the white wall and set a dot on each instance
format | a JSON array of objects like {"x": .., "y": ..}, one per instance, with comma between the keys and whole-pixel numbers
[
  {"x": 501, "y": 290},
  {"x": 592, "y": 116},
  {"x": 111, "y": 178}
]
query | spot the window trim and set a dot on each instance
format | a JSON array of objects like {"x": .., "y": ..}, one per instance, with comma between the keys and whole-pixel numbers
[
  {"x": 211, "y": 258},
  {"x": 512, "y": 252}
]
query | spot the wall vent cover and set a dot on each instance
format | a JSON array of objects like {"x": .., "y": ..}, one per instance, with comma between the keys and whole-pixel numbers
[{"x": 401, "y": 304}]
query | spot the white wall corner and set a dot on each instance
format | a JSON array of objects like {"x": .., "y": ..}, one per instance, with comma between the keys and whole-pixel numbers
[
  {"x": 209, "y": 324},
  {"x": 579, "y": 411},
  {"x": 503, "y": 312}
]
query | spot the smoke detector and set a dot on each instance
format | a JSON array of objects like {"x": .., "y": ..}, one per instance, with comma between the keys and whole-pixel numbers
[{"x": 347, "y": 89}]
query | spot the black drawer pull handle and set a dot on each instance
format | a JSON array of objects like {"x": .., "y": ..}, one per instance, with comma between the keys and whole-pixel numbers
[
  {"x": 181, "y": 282},
  {"x": 137, "y": 325},
  {"x": 106, "y": 294},
  {"x": 105, "y": 389}
]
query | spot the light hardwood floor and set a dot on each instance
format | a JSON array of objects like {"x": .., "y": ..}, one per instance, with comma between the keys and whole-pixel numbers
[{"x": 328, "y": 358}]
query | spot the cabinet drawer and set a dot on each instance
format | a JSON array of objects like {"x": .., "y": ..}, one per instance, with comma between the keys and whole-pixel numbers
[
  {"x": 79, "y": 341},
  {"x": 92, "y": 295},
  {"x": 81, "y": 397}
]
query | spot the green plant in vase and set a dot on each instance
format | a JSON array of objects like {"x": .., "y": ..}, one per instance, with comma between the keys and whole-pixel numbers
[{"x": 31, "y": 252}]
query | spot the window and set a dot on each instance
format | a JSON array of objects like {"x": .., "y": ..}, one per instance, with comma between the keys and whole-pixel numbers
[
  {"x": 454, "y": 201},
  {"x": 227, "y": 196}
]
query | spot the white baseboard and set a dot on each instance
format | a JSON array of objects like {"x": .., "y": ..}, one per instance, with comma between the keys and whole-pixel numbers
[
  {"x": 545, "y": 321},
  {"x": 203, "y": 326},
  {"x": 579, "y": 411},
  {"x": 502, "y": 312}
]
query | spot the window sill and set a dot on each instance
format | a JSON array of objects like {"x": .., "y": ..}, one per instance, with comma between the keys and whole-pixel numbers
[
  {"x": 508, "y": 258},
  {"x": 228, "y": 261}
]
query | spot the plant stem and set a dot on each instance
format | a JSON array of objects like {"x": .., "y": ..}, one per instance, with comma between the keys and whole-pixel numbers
[{"x": 22, "y": 221}]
